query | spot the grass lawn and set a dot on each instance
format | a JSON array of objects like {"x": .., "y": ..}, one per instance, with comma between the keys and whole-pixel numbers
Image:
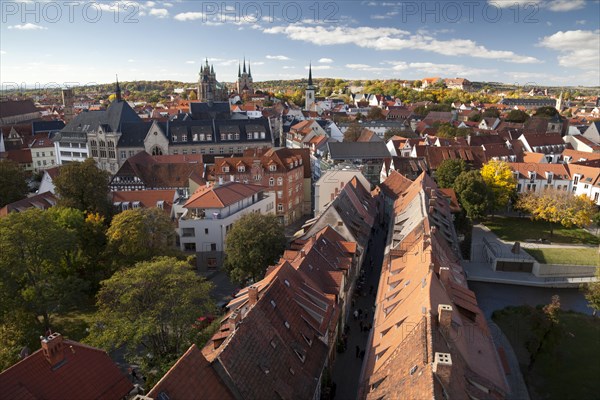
[
  {"x": 73, "y": 324},
  {"x": 583, "y": 256},
  {"x": 520, "y": 229},
  {"x": 567, "y": 365}
]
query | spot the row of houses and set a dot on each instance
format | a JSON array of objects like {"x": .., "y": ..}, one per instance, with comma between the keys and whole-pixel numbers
[{"x": 279, "y": 334}]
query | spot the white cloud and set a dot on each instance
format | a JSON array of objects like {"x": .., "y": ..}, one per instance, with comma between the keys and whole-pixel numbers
[
  {"x": 189, "y": 16},
  {"x": 159, "y": 12},
  {"x": 279, "y": 58},
  {"x": 366, "y": 67},
  {"x": 190, "y": 62},
  {"x": 511, "y": 3},
  {"x": 325, "y": 60},
  {"x": 319, "y": 67},
  {"x": 394, "y": 39},
  {"x": 2, "y": 52},
  {"x": 288, "y": 67},
  {"x": 566, "y": 5},
  {"x": 150, "y": 4},
  {"x": 27, "y": 27},
  {"x": 257, "y": 62},
  {"x": 578, "y": 48},
  {"x": 167, "y": 4},
  {"x": 552, "y": 5}
]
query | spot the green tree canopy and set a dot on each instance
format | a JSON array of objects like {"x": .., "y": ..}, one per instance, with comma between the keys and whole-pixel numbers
[
  {"x": 141, "y": 234},
  {"x": 152, "y": 304},
  {"x": 83, "y": 186},
  {"x": 498, "y": 176},
  {"x": 491, "y": 113},
  {"x": 448, "y": 171},
  {"x": 592, "y": 292},
  {"x": 545, "y": 112},
  {"x": 398, "y": 132},
  {"x": 517, "y": 116},
  {"x": 36, "y": 270},
  {"x": 474, "y": 195},
  {"x": 254, "y": 242},
  {"x": 13, "y": 182}
]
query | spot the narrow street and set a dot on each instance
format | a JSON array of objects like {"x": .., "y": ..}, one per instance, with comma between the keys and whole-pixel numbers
[{"x": 347, "y": 366}]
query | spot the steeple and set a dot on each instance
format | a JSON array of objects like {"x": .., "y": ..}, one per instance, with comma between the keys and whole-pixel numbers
[
  {"x": 310, "y": 81},
  {"x": 117, "y": 90},
  {"x": 244, "y": 70},
  {"x": 239, "y": 70},
  {"x": 212, "y": 69},
  {"x": 249, "y": 72}
]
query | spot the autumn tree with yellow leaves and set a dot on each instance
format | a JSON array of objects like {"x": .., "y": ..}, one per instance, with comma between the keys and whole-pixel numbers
[
  {"x": 557, "y": 206},
  {"x": 498, "y": 176}
]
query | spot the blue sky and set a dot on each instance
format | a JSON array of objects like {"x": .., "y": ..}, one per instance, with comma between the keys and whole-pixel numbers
[{"x": 544, "y": 42}]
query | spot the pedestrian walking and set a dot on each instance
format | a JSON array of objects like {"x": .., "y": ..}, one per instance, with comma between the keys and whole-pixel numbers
[{"x": 355, "y": 315}]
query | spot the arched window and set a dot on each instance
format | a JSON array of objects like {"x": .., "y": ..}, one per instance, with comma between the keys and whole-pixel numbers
[
  {"x": 271, "y": 181},
  {"x": 157, "y": 151}
]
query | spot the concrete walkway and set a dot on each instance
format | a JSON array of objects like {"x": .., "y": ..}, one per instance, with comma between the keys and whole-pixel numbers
[{"x": 347, "y": 366}]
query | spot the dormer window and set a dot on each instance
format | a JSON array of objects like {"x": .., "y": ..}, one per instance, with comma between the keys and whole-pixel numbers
[
  {"x": 575, "y": 179},
  {"x": 532, "y": 176},
  {"x": 241, "y": 168},
  {"x": 160, "y": 204},
  {"x": 272, "y": 167},
  {"x": 549, "y": 176},
  {"x": 225, "y": 169}
]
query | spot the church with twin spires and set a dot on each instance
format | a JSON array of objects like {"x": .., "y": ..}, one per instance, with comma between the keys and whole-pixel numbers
[{"x": 210, "y": 90}]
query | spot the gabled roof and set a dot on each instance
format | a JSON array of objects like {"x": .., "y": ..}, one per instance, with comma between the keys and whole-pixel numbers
[
  {"x": 559, "y": 171},
  {"x": 395, "y": 184},
  {"x": 191, "y": 377},
  {"x": 84, "y": 373},
  {"x": 220, "y": 196},
  {"x": 42, "y": 201},
  {"x": 10, "y": 108},
  {"x": 146, "y": 198}
]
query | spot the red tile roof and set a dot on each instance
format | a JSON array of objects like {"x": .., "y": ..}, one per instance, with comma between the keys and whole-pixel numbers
[
  {"x": 147, "y": 198},
  {"x": 42, "y": 201},
  {"x": 219, "y": 196},
  {"x": 84, "y": 373},
  {"x": 192, "y": 377}
]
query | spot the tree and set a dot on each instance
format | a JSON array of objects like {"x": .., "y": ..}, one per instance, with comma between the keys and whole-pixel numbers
[
  {"x": 375, "y": 113},
  {"x": 592, "y": 292},
  {"x": 517, "y": 116},
  {"x": 36, "y": 274},
  {"x": 417, "y": 84},
  {"x": 545, "y": 112},
  {"x": 447, "y": 130},
  {"x": 498, "y": 176},
  {"x": 192, "y": 96},
  {"x": 473, "y": 193},
  {"x": 152, "y": 304},
  {"x": 558, "y": 206},
  {"x": 13, "y": 182},
  {"x": 491, "y": 113},
  {"x": 353, "y": 132},
  {"x": 398, "y": 132},
  {"x": 475, "y": 116},
  {"x": 448, "y": 171},
  {"x": 254, "y": 242},
  {"x": 83, "y": 186},
  {"x": 141, "y": 234}
]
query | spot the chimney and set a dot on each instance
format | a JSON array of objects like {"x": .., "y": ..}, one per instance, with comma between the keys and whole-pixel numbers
[
  {"x": 431, "y": 209},
  {"x": 252, "y": 295},
  {"x": 442, "y": 367},
  {"x": 433, "y": 230},
  {"x": 444, "y": 275},
  {"x": 432, "y": 201},
  {"x": 445, "y": 315},
  {"x": 302, "y": 253},
  {"x": 52, "y": 348}
]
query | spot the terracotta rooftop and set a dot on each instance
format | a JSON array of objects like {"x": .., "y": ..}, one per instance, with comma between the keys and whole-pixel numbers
[
  {"x": 220, "y": 196},
  {"x": 72, "y": 371},
  {"x": 146, "y": 198},
  {"x": 42, "y": 201},
  {"x": 192, "y": 377}
]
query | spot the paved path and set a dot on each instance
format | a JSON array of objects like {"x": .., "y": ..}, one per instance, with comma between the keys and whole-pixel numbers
[{"x": 347, "y": 366}]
